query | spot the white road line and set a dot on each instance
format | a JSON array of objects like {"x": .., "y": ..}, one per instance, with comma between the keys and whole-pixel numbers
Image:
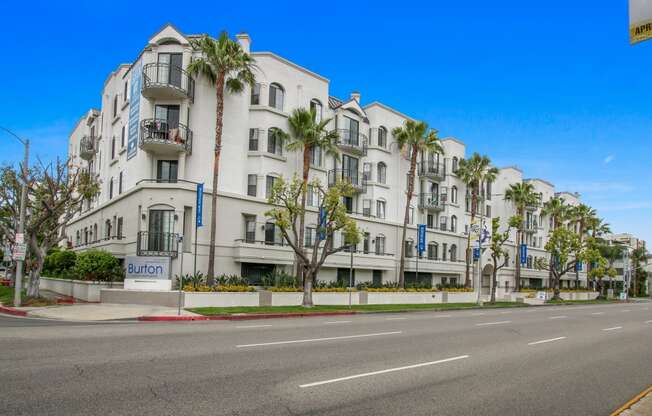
[
  {"x": 394, "y": 319},
  {"x": 389, "y": 370},
  {"x": 543, "y": 341},
  {"x": 299, "y": 341},
  {"x": 505, "y": 312},
  {"x": 252, "y": 326},
  {"x": 558, "y": 317},
  {"x": 626, "y": 310},
  {"x": 442, "y": 316},
  {"x": 613, "y": 328},
  {"x": 597, "y": 313},
  {"x": 648, "y": 322},
  {"x": 336, "y": 322},
  {"x": 493, "y": 323},
  {"x": 477, "y": 314}
]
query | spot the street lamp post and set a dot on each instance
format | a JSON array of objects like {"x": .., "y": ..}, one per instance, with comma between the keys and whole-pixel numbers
[{"x": 18, "y": 285}]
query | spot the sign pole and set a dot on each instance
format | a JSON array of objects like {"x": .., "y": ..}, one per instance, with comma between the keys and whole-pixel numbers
[
  {"x": 18, "y": 278},
  {"x": 180, "y": 250}
]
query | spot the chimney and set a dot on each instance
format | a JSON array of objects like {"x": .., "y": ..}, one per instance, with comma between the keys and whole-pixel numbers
[
  {"x": 244, "y": 40},
  {"x": 355, "y": 95}
]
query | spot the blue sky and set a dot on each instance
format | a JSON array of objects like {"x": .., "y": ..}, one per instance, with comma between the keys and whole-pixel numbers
[{"x": 553, "y": 87}]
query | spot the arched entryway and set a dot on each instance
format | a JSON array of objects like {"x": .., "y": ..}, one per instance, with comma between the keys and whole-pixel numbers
[{"x": 486, "y": 279}]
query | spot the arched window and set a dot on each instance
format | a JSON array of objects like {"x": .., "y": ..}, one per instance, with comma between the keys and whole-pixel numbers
[
  {"x": 454, "y": 195},
  {"x": 433, "y": 250},
  {"x": 276, "y": 96},
  {"x": 382, "y": 172},
  {"x": 315, "y": 105},
  {"x": 453, "y": 223},
  {"x": 455, "y": 163},
  {"x": 453, "y": 252},
  {"x": 382, "y": 137},
  {"x": 107, "y": 229}
]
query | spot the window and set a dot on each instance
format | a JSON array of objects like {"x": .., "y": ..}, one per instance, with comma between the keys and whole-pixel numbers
[
  {"x": 345, "y": 277},
  {"x": 316, "y": 107},
  {"x": 253, "y": 139},
  {"x": 310, "y": 237},
  {"x": 252, "y": 181},
  {"x": 453, "y": 252},
  {"x": 348, "y": 203},
  {"x": 409, "y": 248},
  {"x": 112, "y": 147},
  {"x": 166, "y": 171},
  {"x": 255, "y": 94},
  {"x": 366, "y": 242},
  {"x": 271, "y": 181},
  {"x": 122, "y": 136},
  {"x": 488, "y": 211},
  {"x": 350, "y": 133},
  {"x": 119, "y": 228},
  {"x": 380, "y": 209},
  {"x": 312, "y": 197},
  {"x": 377, "y": 278},
  {"x": 315, "y": 156},
  {"x": 433, "y": 249},
  {"x": 115, "y": 106},
  {"x": 110, "y": 188},
  {"x": 107, "y": 229},
  {"x": 273, "y": 234},
  {"x": 125, "y": 91},
  {"x": 366, "y": 207},
  {"x": 276, "y": 95},
  {"x": 411, "y": 215},
  {"x": 119, "y": 183},
  {"x": 250, "y": 228},
  {"x": 380, "y": 244},
  {"x": 366, "y": 171},
  {"x": 453, "y": 223},
  {"x": 382, "y": 137},
  {"x": 443, "y": 251},
  {"x": 78, "y": 238},
  {"x": 455, "y": 164},
  {"x": 430, "y": 221},
  {"x": 166, "y": 126},
  {"x": 454, "y": 195},
  {"x": 274, "y": 142},
  {"x": 443, "y": 223},
  {"x": 382, "y": 172},
  {"x": 169, "y": 70}
]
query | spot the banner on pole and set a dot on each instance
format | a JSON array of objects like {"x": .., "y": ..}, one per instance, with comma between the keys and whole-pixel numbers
[
  {"x": 640, "y": 20},
  {"x": 523, "y": 254},
  {"x": 422, "y": 238},
  {"x": 200, "y": 204}
]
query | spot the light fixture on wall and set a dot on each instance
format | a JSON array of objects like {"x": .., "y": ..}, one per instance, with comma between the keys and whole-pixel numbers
[{"x": 144, "y": 216}]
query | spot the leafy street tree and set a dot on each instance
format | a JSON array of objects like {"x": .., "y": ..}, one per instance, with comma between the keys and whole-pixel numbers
[
  {"x": 475, "y": 172},
  {"x": 499, "y": 255},
  {"x": 287, "y": 197},
  {"x": 612, "y": 252},
  {"x": 522, "y": 195},
  {"x": 639, "y": 258},
  {"x": 308, "y": 135},
  {"x": 556, "y": 210},
  {"x": 598, "y": 272},
  {"x": 414, "y": 138},
  {"x": 55, "y": 193},
  {"x": 229, "y": 68}
]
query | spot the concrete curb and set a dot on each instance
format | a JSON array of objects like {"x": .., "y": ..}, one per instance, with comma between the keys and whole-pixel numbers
[
  {"x": 12, "y": 311},
  {"x": 241, "y": 317},
  {"x": 632, "y": 402}
]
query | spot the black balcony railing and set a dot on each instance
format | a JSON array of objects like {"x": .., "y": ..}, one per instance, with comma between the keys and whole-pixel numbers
[
  {"x": 88, "y": 147},
  {"x": 159, "y": 131},
  {"x": 157, "y": 76},
  {"x": 157, "y": 244},
  {"x": 431, "y": 201},
  {"x": 352, "y": 140},
  {"x": 355, "y": 178},
  {"x": 432, "y": 170}
]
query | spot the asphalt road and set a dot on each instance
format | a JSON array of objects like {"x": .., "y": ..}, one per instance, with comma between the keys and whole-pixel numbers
[{"x": 568, "y": 360}]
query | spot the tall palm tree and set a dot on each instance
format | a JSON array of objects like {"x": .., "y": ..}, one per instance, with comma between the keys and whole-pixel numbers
[
  {"x": 583, "y": 215},
  {"x": 475, "y": 172},
  {"x": 414, "y": 137},
  {"x": 522, "y": 195},
  {"x": 229, "y": 68},
  {"x": 639, "y": 257},
  {"x": 598, "y": 227},
  {"x": 307, "y": 134}
]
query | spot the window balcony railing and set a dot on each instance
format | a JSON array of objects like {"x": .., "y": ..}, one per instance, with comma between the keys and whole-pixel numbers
[
  {"x": 431, "y": 202},
  {"x": 158, "y": 135},
  {"x": 432, "y": 170},
  {"x": 355, "y": 178},
  {"x": 157, "y": 244},
  {"x": 352, "y": 141},
  {"x": 88, "y": 147},
  {"x": 161, "y": 80}
]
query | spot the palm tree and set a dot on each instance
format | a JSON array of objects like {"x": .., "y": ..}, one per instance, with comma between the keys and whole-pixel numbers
[
  {"x": 583, "y": 215},
  {"x": 475, "y": 172},
  {"x": 598, "y": 227},
  {"x": 307, "y": 134},
  {"x": 639, "y": 257},
  {"x": 522, "y": 195},
  {"x": 556, "y": 209},
  {"x": 229, "y": 68},
  {"x": 413, "y": 137}
]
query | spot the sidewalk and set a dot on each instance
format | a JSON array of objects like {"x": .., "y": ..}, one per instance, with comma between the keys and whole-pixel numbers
[
  {"x": 639, "y": 406},
  {"x": 100, "y": 311}
]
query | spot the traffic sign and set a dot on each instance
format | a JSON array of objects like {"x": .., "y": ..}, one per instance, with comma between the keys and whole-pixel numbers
[{"x": 20, "y": 251}]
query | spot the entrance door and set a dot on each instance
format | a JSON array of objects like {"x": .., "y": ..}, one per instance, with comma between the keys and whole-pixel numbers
[
  {"x": 350, "y": 169},
  {"x": 170, "y": 72},
  {"x": 161, "y": 226}
]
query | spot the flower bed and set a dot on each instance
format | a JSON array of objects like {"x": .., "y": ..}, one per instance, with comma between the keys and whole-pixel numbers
[{"x": 219, "y": 288}]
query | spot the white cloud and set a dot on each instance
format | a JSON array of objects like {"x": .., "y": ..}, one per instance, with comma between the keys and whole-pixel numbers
[
  {"x": 608, "y": 159},
  {"x": 596, "y": 187},
  {"x": 623, "y": 206}
]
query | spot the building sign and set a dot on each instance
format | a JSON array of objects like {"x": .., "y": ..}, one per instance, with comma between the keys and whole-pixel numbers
[
  {"x": 200, "y": 204},
  {"x": 421, "y": 246},
  {"x": 523, "y": 253},
  {"x": 640, "y": 20},
  {"x": 134, "y": 109},
  {"x": 147, "y": 268}
]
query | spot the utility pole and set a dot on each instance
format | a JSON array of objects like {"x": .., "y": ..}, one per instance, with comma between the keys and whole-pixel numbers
[{"x": 18, "y": 285}]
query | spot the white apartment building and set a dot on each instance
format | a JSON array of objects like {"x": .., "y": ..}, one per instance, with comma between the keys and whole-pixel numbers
[{"x": 152, "y": 141}]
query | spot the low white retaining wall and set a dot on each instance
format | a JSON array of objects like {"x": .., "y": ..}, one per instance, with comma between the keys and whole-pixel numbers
[
  {"x": 462, "y": 297},
  {"x": 335, "y": 298},
  {"x": 288, "y": 298},
  {"x": 220, "y": 299},
  {"x": 78, "y": 289},
  {"x": 563, "y": 295},
  {"x": 394, "y": 298}
]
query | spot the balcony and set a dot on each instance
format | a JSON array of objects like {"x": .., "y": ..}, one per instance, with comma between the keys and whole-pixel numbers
[
  {"x": 530, "y": 227},
  {"x": 158, "y": 136},
  {"x": 157, "y": 244},
  {"x": 164, "y": 81},
  {"x": 352, "y": 141},
  {"x": 356, "y": 179},
  {"x": 88, "y": 147},
  {"x": 431, "y": 202},
  {"x": 432, "y": 170}
]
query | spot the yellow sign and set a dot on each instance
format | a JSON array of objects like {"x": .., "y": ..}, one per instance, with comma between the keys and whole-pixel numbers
[{"x": 640, "y": 20}]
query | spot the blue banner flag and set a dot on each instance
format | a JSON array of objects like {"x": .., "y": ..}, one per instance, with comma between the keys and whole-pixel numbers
[
  {"x": 322, "y": 224},
  {"x": 200, "y": 204},
  {"x": 523, "y": 254},
  {"x": 476, "y": 253},
  {"x": 421, "y": 238}
]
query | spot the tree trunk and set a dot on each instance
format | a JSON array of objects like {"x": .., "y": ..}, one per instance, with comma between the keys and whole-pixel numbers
[
  {"x": 494, "y": 274},
  {"x": 34, "y": 280},
  {"x": 555, "y": 289},
  {"x": 469, "y": 250},
  {"x": 517, "y": 274},
  {"x": 308, "y": 279},
  {"x": 219, "y": 122},
  {"x": 302, "y": 217},
  {"x": 410, "y": 191}
]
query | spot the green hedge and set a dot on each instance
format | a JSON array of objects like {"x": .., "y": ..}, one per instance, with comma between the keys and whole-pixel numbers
[{"x": 91, "y": 265}]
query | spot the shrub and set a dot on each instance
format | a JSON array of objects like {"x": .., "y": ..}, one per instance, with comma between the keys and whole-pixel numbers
[
  {"x": 231, "y": 280},
  {"x": 60, "y": 263},
  {"x": 98, "y": 265},
  {"x": 219, "y": 288},
  {"x": 280, "y": 279},
  {"x": 286, "y": 289}
]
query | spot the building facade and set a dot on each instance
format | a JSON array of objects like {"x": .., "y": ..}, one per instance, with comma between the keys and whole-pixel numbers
[{"x": 152, "y": 141}]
